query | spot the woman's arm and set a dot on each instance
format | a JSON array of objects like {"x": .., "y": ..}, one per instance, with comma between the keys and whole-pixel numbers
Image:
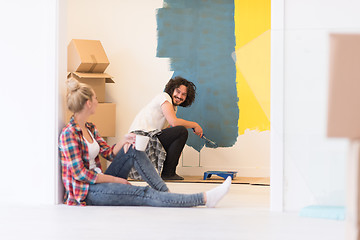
[
  {"x": 170, "y": 115},
  {"x": 72, "y": 157},
  {"x": 126, "y": 142},
  {"x": 104, "y": 178},
  {"x": 106, "y": 151}
]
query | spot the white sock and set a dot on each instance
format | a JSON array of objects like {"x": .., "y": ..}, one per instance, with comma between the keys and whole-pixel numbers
[{"x": 216, "y": 194}]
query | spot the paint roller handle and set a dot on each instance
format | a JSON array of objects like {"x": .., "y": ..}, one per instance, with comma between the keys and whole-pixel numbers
[
  {"x": 212, "y": 143},
  {"x": 193, "y": 130},
  {"x": 201, "y": 134}
]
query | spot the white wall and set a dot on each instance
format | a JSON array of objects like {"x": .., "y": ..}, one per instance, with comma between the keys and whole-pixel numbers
[
  {"x": 28, "y": 101},
  {"x": 127, "y": 30},
  {"x": 314, "y": 166},
  {"x": 250, "y": 157}
]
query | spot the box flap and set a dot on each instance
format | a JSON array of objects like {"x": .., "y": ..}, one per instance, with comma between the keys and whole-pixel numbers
[
  {"x": 86, "y": 56},
  {"x": 108, "y": 78}
]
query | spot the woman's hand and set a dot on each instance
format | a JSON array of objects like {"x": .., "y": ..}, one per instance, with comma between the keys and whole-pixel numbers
[
  {"x": 128, "y": 140},
  {"x": 125, "y": 142},
  {"x": 104, "y": 178},
  {"x": 122, "y": 181}
]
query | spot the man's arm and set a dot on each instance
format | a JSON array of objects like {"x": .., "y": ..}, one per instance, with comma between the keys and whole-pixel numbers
[{"x": 169, "y": 113}]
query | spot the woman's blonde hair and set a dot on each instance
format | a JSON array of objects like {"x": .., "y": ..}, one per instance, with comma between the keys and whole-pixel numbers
[{"x": 77, "y": 95}]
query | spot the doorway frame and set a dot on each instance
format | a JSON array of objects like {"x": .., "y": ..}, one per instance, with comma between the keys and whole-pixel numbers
[
  {"x": 277, "y": 106},
  {"x": 276, "y": 99},
  {"x": 61, "y": 75}
]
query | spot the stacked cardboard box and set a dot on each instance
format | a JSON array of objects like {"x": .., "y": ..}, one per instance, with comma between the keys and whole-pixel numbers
[{"x": 87, "y": 62}]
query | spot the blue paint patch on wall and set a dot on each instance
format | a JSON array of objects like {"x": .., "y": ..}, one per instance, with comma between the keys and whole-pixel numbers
[{"x": 198, "y": 37}]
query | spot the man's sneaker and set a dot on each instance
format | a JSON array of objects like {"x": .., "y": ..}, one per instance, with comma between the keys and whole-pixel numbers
[{"x": 173, "y": 177}]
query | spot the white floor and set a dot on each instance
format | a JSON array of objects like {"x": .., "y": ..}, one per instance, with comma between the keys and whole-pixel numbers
[{"x": 242, "y": 214}]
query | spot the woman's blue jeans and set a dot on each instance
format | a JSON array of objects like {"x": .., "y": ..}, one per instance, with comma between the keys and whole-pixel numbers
[{"x": 157, "y": 195}]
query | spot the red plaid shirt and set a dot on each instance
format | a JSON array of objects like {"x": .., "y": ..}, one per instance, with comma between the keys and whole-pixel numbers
[{"x": 74, "y": 156}]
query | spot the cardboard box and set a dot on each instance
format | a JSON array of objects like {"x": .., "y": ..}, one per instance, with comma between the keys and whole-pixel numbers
[
  {"x": 95, "y": 80},
  {"x": 87, "y": 62},
  {"x": 86, "y": 56},
  {"x": 344, "y": 86},
  {"x": 104, "y": 119}
]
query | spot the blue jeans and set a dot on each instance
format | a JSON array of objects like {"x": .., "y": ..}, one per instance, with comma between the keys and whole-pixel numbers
[{"x": 157, "y": 195}]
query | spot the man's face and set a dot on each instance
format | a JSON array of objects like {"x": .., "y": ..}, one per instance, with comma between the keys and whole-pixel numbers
[{"x": 179, "y": 95}]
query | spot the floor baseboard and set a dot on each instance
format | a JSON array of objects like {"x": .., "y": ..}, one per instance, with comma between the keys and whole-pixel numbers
[{"x": 265, "y": 181}]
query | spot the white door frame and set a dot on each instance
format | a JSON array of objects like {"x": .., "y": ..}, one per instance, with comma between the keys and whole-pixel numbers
[
  {"x": 61, "y": 72},
  {"x": 277, "y": 99},
  {"x": 277, "y": 106}
]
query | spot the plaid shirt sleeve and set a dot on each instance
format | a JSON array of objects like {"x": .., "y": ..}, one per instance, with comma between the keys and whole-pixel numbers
[
  {"x": 105, "y": 150},
  {"x": 72, "y": 154},
  {"x": 74, "y": 157}
]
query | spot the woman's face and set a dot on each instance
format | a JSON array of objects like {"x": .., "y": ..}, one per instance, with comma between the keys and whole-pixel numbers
[{"x": 94, "y": 103}]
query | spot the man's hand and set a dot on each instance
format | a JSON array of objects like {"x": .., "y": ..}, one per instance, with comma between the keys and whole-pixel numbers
[{"x": 198, "y": 130}]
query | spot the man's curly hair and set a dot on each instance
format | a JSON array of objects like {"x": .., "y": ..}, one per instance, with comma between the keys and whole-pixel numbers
[{"x": 177, "y": 82}]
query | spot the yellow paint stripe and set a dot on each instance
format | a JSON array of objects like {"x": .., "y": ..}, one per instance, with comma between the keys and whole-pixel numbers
[
  {"x": 252, "y": 19},
  {"x": 253, "y": 61}
]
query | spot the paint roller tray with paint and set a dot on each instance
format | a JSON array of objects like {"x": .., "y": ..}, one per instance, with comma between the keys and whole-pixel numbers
[{"x": 223, "y": 174}]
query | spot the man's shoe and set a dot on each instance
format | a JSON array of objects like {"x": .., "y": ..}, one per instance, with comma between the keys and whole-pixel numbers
[{"x": 173, "y": 177}]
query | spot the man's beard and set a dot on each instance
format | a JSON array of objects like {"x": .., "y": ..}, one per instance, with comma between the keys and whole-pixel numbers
[{"x": 178, "y": 100}]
